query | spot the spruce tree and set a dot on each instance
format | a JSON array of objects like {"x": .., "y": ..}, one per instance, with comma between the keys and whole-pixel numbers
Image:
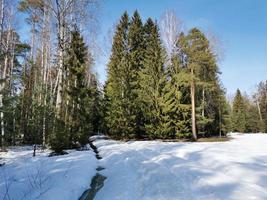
[
  {"x": 176, "y": 104},
  {"x": 253, "y": 122},
  {"x": 81, "y": 94},
  {"x": 134, "y": 65},
  {"x": 144, "y": 96},
  {"x": 151, "y": 80},
  {"x": 238, "y": 117},
  {"x": 115, "y": 87},
  {"x": 79, "y": 98}
]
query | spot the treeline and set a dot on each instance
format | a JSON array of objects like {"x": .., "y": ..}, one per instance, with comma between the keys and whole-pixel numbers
[
  {"x": 149, "y": 96},
  {"x": 49, "y": 94},
  {"x": 249, "y": 114}
]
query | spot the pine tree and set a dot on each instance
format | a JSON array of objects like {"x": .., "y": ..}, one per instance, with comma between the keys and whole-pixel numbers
[
  {"x": 238, "y": 117},
  {"x": 204, "y": 82}
]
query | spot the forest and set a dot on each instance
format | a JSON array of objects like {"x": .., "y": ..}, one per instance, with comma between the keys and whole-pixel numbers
[{"x": 50, "y": 95}]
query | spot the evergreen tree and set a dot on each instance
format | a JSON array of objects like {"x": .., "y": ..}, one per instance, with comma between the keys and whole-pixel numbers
[
  {"x": 253, "y": 122},
  {"x": 144, "y": 96},
  {"x": 81, "y": 95},
  {"x": 12, "y": 59},
  {"x": 224, "y": 115},
  {"x": 151, "y": 80},
  {"x": 115, "y": 88},
  {"x": 238, "y": 117},
  {"x": 134, "y": 65},
  {"x": 80, "y": 98},
  {"x": 204, "y": 83},
  {"x": 261, "y": 101},
  {"x": 176, "y": 104}
]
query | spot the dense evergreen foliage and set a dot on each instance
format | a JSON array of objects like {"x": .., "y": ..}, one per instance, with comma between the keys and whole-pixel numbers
[
  {"x": 239, "y": 113},
  {"x": 151, "y": 79},
  {"x": 248, "y": 114},
  {"x": 158, "y": 99},
  {"x": 81, "y": 95}
]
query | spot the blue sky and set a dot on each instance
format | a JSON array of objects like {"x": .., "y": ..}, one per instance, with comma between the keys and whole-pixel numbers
[{"x": 240, "y": 24}]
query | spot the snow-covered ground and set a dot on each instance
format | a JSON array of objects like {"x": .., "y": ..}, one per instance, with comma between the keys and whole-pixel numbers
[
  {"x": 154, "y": 170},
  {"x": 66, "y": 177},
  {"x": 142, "y": 170}
]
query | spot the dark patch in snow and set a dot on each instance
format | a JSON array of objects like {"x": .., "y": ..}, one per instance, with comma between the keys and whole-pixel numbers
[
  {"x": 96, "y": 184},
  {"x": 98, "y": 157},
  {"x": 99, "y": 168},
  {"x": 3, "y": 150},
  {"x": 57, "y": 154},
  {"x": 97, "y": 181}
]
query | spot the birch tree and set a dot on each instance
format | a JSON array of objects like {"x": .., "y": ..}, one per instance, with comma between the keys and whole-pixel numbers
[{"x": 170, "y": 28}]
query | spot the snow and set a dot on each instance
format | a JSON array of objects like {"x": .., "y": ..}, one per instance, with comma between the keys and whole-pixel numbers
[
  {"x": 142, "y": 170},
  {"x": 155, "y": 170},
  {"x": 65, "y": 177}
]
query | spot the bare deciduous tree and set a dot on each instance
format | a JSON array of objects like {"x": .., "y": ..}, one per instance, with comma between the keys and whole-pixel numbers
[
  {"x": 217, "y": 45},
  {"x": 7, "y": 49},
  {"x": 170, "y": 28}
]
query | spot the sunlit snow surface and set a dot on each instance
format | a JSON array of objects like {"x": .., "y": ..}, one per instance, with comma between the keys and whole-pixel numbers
[
  {"x": 145, "y": 170},
  {"x": 45, "y": 178}
]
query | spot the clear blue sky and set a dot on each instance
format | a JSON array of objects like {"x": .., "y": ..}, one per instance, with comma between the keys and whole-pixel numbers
[{"x": 241, "y": 25}]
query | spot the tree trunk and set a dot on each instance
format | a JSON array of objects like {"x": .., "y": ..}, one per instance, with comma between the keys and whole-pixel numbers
[
  {"x": 59, "y": 86},
  {"x": 2, "y": 121},
  {"x": 32, "y": 42},
  {"x": 220, "y": 119},
  {"x": 192, "y": 90},
  {"x": 45, "y": 44},
  {"x": 203, "y": 103},
  {"x": 1, "y": 21},
  {"x": 61, "y": 32},
  {"x": 1, "y": 70},
  {"x": 2, "y": 87},
  {"x": 259, "y": 108}
]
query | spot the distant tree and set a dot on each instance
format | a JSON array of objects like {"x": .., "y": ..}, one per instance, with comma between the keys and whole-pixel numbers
[
  {"x": 253, "y": 123},
  {"x": 260, "y": 99},
  {"x": 238, "y": 117}
]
